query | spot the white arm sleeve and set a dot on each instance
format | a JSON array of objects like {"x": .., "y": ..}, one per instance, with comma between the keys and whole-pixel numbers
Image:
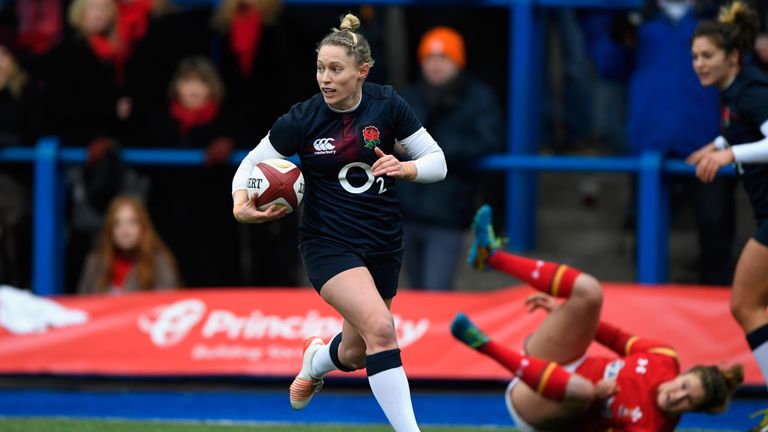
[
  {"x": 754, "y": 152},
  {"x": 427, "y": 156},
  {"x": 264, "y": 150}
]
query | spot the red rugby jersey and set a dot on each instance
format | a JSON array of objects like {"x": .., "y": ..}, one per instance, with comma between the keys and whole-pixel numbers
[{"x": 644, "y": 365}]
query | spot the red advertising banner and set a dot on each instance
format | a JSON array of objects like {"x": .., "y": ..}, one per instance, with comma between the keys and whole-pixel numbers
[{"x": 259, "y": 332}]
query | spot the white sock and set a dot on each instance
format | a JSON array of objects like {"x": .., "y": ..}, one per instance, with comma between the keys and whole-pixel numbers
[
  {"x": 761, "y": 355},
  {"x": 322, "y": 363},
  {"x": 390, "y": 387}
]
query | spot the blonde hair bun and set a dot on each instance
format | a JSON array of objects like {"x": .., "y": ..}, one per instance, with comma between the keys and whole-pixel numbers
[
  {"x": 730, "y": 14},
  {"x": 349, "y": 22}
]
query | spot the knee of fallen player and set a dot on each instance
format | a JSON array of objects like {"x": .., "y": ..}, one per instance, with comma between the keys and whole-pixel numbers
[{"x": 588, "y": 289}]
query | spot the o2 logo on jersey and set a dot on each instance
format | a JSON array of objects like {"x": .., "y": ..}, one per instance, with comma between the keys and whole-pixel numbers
[{"x": 365, "y": 186}]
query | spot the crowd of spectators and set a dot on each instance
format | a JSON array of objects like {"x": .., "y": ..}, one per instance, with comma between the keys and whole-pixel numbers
[{"x": 108, "y": 74}]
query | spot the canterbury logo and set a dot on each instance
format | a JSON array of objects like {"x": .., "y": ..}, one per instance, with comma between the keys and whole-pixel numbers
[{"x": 324, "y": 144}]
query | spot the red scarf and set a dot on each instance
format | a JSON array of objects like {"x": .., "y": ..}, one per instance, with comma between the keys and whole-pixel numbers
[
  {"x": 108, "y": 51},
  {"x": 120, "y": 269},
  {"x": 244, "y": 35},
  {"x": 133, "y": 20},
  {"x": 190, "y": 118}
]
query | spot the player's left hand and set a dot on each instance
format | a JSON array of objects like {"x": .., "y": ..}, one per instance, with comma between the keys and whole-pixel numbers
[
  {"x": 707, "y": 168},
  {"x": 389, "y": 166},
  {"x": 540, "y": 301}
]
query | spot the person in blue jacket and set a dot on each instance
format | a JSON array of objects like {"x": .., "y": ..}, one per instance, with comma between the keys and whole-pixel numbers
[{"x": 671, "y": 113}]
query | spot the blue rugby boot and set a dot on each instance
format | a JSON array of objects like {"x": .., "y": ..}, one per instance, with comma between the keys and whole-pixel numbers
[
  {"x": 485, "y": 242},
  {"x": 763, "y": 425},
  {"x": 466, "y": 331}
]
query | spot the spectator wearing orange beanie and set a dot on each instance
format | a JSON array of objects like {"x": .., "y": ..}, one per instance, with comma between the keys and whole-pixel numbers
[
  {"x": 462, "y": 114},
  {"x": 443, "y": 41}
]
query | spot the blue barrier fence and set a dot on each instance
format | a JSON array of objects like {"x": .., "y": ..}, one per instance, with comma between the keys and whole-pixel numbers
[{"x": 651, "y": 169}]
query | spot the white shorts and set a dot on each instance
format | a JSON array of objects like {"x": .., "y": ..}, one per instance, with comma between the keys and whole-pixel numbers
[{"x": 519, "y": 422}]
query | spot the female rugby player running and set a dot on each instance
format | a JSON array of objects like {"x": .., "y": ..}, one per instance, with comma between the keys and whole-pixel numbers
[
  {"x": 351, "y": 229},
  {"x": 719, "y": 49}
]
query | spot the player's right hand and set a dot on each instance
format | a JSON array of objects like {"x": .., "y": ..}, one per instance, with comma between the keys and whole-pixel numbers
[
  {"x": 606, "y": 388},
  {"x": 707, "y": 168},
  {"x": 699, "y": 154},
  {"x": 245, "y": 210}
]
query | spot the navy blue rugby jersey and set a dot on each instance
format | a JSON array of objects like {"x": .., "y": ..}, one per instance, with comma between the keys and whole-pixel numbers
[
  {"x": 744, "y": 107},
  {"x": 343, "y": 200}
]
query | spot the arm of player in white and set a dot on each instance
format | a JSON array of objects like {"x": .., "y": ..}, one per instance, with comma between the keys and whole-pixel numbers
[
  {"x": 427, "y": 156},
  {"x": 264, "y": 150},
  {"x": 754, "y": 152}
]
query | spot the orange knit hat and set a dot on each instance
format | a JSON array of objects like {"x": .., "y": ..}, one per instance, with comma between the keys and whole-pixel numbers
[{"x": 445, "y": 41}]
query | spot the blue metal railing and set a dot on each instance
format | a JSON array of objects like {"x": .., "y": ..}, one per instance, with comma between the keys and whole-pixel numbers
[
  {"x": 652, "y": 172},
  {"x": 651, "y": 169}
]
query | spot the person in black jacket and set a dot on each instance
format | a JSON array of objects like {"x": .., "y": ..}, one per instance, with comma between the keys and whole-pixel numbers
[
  {"x": 463, "y": 115},
  {"x": 251, "y": 50},
  {"x": 86, "y": 76},
  {"x": 185, "y": 200}
]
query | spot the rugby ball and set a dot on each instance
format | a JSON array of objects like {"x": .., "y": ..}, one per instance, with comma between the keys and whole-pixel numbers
[{"x": 276, "y": 182}]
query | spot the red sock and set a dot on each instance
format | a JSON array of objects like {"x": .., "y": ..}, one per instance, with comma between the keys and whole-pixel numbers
[
  {"x": 546, "y": 378},
  {"x": 615, "y": 339},
  {"x": 548, "y": 277},
  {"x": 624, "y": 343}
]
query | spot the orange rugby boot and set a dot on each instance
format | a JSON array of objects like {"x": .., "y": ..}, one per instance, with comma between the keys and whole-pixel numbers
[{"x": 304, "y": 386}]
